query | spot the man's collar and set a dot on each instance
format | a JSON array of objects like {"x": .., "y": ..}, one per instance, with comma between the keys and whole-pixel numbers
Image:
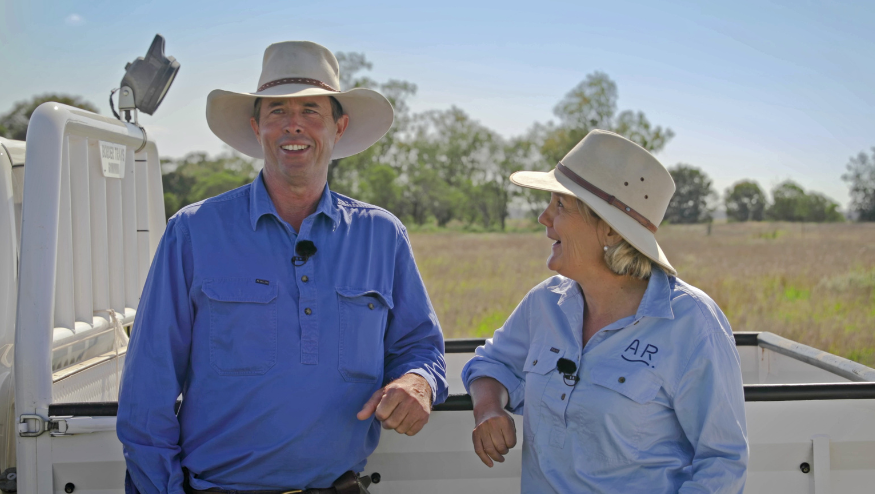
[
  {"x": 261, "y": 204},
  {"x": 328, "y": 207}
]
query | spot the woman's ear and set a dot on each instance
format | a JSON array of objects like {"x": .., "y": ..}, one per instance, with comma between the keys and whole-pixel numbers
[{"x": 612, "y": 238}]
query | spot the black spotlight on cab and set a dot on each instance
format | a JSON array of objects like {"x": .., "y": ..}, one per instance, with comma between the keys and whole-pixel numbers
[{"x": 146, "y": 81}]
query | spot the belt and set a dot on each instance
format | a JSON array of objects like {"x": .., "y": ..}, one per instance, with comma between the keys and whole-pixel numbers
[
  {"x": 348, "y": 483},
  {"x": 327, "y": 490}
]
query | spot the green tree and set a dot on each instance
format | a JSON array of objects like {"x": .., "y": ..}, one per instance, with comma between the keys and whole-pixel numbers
[
  {"x": 822, "y": 209},
  {"x": 790, "y": 202},
  {"x": 745, "y": 201},
  {"x": 517, "y": 154},
  {"x": 635, "y": 127},
  {"x": 592, "y": 104},
  {"x": 364, "y": 175},
  {"x": 689, "y": 204},
  {"x": 446, "y": 157},
  {"x": 379, "y": 186},
  {"x": 196, "y": 177},
  {"x": 13, "y": 124},
  {"x": 861, "y": 180}
]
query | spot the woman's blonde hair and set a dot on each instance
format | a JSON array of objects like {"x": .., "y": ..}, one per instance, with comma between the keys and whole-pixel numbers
[{"x": 621, "y": 258}]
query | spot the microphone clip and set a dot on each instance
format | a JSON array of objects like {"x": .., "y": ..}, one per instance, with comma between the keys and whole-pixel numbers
[
  {"x": 305, "y": 249},
  {"x": 568, "y": 369}
]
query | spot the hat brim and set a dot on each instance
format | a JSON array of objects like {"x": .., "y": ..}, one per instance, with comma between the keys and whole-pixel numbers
[
  {"x": 370, "y": 117},
  {"x": 633, "y": 232}
]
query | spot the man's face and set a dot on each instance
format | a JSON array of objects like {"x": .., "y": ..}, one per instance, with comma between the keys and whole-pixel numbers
[{"x": 298, "y": 136}]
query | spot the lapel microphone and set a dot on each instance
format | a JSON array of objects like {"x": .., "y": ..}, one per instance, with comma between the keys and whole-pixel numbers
[
  {"x": 567, "y": 368},
  {"x": 305, "y": 249}
]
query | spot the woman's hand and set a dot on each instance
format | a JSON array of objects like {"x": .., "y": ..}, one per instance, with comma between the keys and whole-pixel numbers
[
  {"x": 494, "y": 435},
  {"x": 494, "y": 432}
]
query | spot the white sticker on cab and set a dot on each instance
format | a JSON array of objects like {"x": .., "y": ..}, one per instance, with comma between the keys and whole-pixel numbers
[{"x": 112, "y": 159}]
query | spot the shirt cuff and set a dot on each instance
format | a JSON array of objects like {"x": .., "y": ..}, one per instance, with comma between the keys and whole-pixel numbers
[{"x": 514, "y": 385}]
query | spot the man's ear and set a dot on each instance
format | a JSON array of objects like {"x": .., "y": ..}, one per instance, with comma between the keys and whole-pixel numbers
[
  {"x": 254, "y": 124},
  {"x": 342, "y": 124}
]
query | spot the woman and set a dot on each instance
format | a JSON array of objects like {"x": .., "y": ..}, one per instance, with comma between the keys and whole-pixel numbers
[{"x": 627, "y": 378}]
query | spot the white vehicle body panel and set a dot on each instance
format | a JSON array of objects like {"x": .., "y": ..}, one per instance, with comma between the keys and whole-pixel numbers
[
  {"x": 835, "y": 437},
  {"x": 86, "y": 245}
]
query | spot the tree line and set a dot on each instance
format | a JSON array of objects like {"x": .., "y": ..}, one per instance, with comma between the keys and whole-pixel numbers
[
  {"x": 440, "y": 166},
  {"x": 695, "y": 200}
]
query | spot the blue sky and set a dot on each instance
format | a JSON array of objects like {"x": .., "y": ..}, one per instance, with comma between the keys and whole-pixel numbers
[{"x": 759, "y": 90}]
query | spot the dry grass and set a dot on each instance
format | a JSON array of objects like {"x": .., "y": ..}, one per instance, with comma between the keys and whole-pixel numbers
[{"x": 812, "y": 283}]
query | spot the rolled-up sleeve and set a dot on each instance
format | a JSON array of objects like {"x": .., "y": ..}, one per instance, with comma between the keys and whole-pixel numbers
[
  {"x": 155, "y": 368},
  {"x": 710, "y": 408},
  {"x": 414, "y": 343},
  {"x": 503, "y": 357}
]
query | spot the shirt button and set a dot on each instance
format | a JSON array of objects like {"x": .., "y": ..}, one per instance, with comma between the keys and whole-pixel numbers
[
  {"x": 563, "y": 396},
  {"x": 308, "y": 312},
  {"x": 621, "y": 379},
  {"x": 535, "y": 362},
  {"x": 304, "y": 278},
  {"x": 371, "y": 306}
]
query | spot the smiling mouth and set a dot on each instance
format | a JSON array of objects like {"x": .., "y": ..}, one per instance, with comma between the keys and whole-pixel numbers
[{"x": 295, "y": 147}]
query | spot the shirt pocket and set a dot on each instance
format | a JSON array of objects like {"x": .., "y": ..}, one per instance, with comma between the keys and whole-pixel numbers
[
  {"x": 638, "y": 385},
  {"x": 362, "y": 316},
  {"x": 538, "y": 370},
  {"x": 243, "y": 325},
  {"x": 618, "y": 409},
  {"x": 542, "y": 359}
]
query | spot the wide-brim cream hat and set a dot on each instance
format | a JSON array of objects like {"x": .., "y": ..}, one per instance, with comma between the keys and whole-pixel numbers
[
  {"x": 620, "y": 181},
  {"x": 295, "y": 69}
]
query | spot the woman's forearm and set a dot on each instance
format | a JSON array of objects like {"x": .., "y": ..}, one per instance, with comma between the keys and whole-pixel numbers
[
  {"x": 488, "y": 394},
  {"x": 494, "y": 429}
]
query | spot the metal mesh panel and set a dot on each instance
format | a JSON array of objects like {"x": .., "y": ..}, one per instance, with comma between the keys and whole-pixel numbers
[{"x": 98, "y": 383}]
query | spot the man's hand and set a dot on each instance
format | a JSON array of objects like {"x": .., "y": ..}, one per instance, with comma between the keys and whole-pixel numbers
[
  {"x": 494, "y": 434},
  {"x": 403, "y": 405}
]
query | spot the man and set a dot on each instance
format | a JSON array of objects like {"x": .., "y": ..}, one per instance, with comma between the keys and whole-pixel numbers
[{"x": 289, "y": 317}]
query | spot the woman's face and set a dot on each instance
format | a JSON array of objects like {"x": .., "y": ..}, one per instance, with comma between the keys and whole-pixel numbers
[{"x": 577, "y": 247}]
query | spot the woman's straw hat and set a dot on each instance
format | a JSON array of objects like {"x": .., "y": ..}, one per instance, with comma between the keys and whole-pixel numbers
[
  {"x": 295, "y": 69},
  {"x": 619, "y": 180}
]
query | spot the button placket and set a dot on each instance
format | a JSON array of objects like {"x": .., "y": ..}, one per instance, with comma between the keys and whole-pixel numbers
[
  {"x": 309, "y": 318},
  {"x": 556, "y": 399}
]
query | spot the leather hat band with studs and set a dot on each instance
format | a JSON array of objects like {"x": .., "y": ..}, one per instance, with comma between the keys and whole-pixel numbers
[
  {"x": 613, "y": 201},
  {"x": 298, "y": 80}
]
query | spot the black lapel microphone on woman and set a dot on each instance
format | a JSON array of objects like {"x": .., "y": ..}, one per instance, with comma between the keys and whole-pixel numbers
[
  {"x": 567, "y": 368},
  {"x": 304, "y": 249}
]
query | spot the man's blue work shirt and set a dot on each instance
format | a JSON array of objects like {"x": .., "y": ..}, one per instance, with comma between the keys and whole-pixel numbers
[
  {"x": 659, "y": 407},
  {"x": 273, "y": 360}
]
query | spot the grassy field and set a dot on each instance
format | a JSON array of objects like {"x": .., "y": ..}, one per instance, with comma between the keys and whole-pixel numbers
[{"x": 812, "y": 283}]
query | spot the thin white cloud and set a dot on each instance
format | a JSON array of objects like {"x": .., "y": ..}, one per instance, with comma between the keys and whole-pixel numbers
[{"x": 74, "y": 20}]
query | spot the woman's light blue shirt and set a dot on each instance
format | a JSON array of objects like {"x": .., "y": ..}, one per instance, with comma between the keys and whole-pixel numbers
[{"x": 659, "y": 406}]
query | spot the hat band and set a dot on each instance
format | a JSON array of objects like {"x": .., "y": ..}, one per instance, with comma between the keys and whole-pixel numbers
[
  {"x": 613, "y": 201},
  {"x": 297, "y": 80}
]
